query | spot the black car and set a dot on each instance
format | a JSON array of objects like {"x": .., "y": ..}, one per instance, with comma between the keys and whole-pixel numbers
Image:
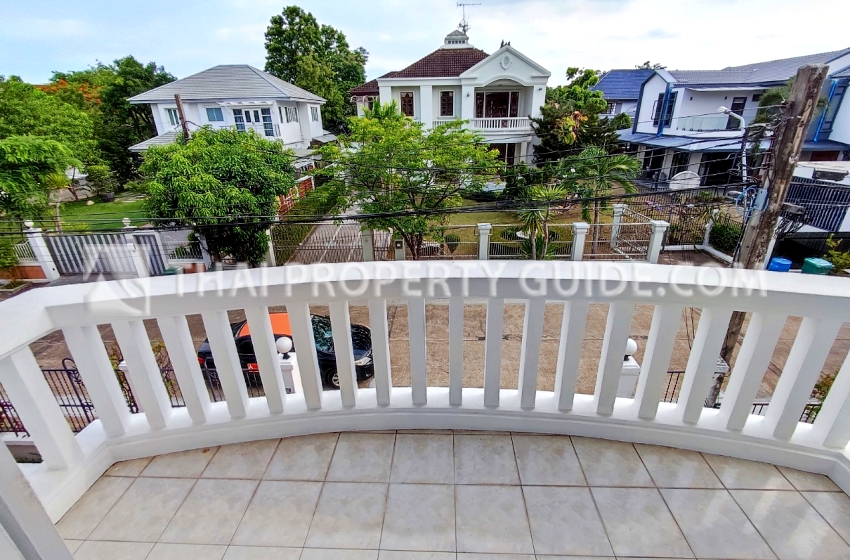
[{"x": 361, "y": 338}]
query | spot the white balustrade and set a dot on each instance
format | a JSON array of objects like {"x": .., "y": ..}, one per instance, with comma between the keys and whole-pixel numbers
[
  {"x": 501, "y": 123},
  {"x": 73, "y": 463}
]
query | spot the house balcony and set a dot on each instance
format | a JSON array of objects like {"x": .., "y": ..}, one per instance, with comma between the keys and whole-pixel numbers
[{"x": 437, "y": 463}]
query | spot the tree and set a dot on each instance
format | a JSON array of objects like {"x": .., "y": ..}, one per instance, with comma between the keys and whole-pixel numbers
[
  {"x": 27, "y": 167},
  {"x": 621, "y": 121},
  {"x": 331, "y": 69},
  {"x": 535, "y": 216},
  {"x": 402, "y": 176},
  {"x": 26, "y": 110},
  {"x": 597, "y": 173},
  {"x": 222, "y": 183},
  {"x": 650, "y": 66}
]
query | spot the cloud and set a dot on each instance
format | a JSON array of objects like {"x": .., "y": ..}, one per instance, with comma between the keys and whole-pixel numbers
[
  {"x": 41, "y": 29},
  {"x": 660, "y": 34}
]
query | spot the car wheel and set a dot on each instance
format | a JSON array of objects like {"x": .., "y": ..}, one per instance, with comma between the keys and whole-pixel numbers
[{"x": 332, "y": 378}]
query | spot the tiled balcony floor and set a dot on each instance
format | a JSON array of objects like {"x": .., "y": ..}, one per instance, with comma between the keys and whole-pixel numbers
[{"x": 454, "y": 496}]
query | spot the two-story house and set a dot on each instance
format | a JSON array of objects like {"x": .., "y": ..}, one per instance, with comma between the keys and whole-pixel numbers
[
  {"x": 496, "y": 93},
  {"x": 236, "y": 96},
  {"x": 621, "y": 90},
  {"x": 680, "y": 124}
]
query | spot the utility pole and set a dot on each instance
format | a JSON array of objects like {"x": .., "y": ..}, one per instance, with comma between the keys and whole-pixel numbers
[
  {"x": 182, "y": 116},
  {"x": 780, "y": 163}
]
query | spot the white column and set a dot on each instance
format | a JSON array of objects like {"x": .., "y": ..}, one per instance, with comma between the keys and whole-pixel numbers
[
  {"x": 227, "y": 365},
  {"x": 615, "y": 224},
  {"x": 426, "y": 106},
  {"x": 42, "y": 254},
  {"x": 580, "y": 230},
  {"x": 135, "y": 251},
  {"x": 23, "y": 518},
  {"x": 38, "y": 409},
  {"x": 344, "y": 351},
  {"x": 629, "y": 375},
  {"x": 270, "y": 260},
  {"x": 467, "y": 103},
  {"x": 262, "y": 337},
  {"x": 305, "y": 355},
  {"x": 367, "y": 238},
  {"x": 455, "y": 350},
  {"x": 656, "y": 240},
  {"x": 538, "y": 99},
  {"x": 385, "y": 93},
  {"x": 484, "y": 241}
]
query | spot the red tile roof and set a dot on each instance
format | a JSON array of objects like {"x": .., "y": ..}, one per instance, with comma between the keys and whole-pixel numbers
[{"x": 442, "y": 63}]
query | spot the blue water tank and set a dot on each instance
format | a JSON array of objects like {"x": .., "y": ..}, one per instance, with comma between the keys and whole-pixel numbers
[{"x": 778, "y": 264}]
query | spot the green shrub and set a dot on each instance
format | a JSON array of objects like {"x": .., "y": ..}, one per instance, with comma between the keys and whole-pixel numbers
[
  {"x": 724, "y": 236},
  {"x": 452, "y": 241},
  {"x": 839, "y": 259},
  {"x": 100, "y": 178},
  {"x": 8, "y": 256}
]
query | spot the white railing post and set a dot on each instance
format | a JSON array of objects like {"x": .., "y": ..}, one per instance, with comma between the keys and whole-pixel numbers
[
  {"x": 656, "y": 358},
  {"x": 227, "y": 365},
  {"x": 136, "y": 252},
  {"x": 400, "y": 252},
  {"x": 34, "y": 401},
  {"x": 29, "y": 532},
  {"x": 381, "y": 350},
  {"x": 619, "y": 209},
  {"x": 344, "y": 351},
  {"x": 580, "y": 230},
  {"x": 367, "y": 238},
  {"x": 832, "y": 425},
  {"x": 656, "y": 240},
  {"x": 569, "y": 352},
  {"x": 529, "y": 358},
  {"x": 181, "y": 352},
  {"x": 484, "y": 241},
  {"x": 617, "y": 327},
  {"x": 265, "y": 351},
  {"x": 41, "y": 252},
  {"x": 270, "y": 260}
]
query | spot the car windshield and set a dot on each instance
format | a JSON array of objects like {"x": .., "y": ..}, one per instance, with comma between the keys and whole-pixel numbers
[{"x": 322, "y": 333}]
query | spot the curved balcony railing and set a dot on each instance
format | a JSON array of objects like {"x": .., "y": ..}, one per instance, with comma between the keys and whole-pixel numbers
[
  {"x": 501, "y": 123},
  {"x": 71, "y": 463}
]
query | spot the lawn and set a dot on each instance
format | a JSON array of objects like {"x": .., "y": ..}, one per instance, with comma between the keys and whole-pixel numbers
[{"x": 101, "y": 215}]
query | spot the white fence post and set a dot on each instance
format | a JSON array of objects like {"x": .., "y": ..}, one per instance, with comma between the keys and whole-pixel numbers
[
  {"x": 656, "y": 240},
  {"x": 270, "y": 260},
  {"x": 202, "y": 243},
  {"x": 580, "y": 230},
  {"x": 400, "y": 253},
  {"x": 484, "y": 241},
  {"x": 619, "y": 209},
  {"x": 367, "y": 238},
  {"x": 39, "y": 249},
  {"x": 137, "y": 256}
]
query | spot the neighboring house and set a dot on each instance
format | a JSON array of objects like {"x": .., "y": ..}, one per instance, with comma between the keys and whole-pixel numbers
[
  {"x": 823, "y": 189},
  {"x": 496, "y": 93},
  {"x": 621, "y": 89},
  {"x": 241, "y": 97},
  {"x": 678, "y": 126}
]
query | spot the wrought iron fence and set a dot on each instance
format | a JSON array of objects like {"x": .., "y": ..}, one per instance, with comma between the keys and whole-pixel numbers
[
  {"x": 452, "y": 243},
  {"x": 624, "y": 241},
  {"x": 181, "y": 247},
  {"x": 317, "y": 242},
  {"x": 10, "y": 422},
  {"x": 25, "y": 253},
  {"x": 506, "y": 243}
]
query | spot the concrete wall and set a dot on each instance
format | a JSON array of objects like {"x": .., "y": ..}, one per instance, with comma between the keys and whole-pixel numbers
[{"x": 655, "y": 85}]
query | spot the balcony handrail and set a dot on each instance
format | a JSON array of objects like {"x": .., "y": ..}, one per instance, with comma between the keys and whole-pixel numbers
[{"x": 72, "y": 463}]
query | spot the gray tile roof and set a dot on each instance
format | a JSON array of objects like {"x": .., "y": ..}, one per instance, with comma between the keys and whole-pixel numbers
[
  {"x": 622, "y": 84},
  {"x": 162, "y": 139},
  {"x": 227, "y": 81},
  {"x": 772, "y": 71},
  {"x": 843, "y": 73}
]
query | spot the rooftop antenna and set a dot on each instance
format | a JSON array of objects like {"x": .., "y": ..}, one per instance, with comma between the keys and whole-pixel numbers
[{"x": 464, "y": 24}]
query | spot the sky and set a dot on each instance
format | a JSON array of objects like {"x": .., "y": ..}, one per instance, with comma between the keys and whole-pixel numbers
[{"x": 38, "y": 37}]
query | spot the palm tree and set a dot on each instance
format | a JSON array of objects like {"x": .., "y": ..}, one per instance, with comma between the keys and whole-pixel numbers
[
  {"x": 538, "y": 201},
  {"x": 597, "y": 173}
]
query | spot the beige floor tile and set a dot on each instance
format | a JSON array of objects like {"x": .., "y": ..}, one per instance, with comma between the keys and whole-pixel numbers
[
  {"x": 702, "y": 515},
  {"x": 100, "y": 550},
  {"x": 144, "y": 510},
  {"x": 835, "y": 508},
  {"x": 261, "y": 553},
  {"x": 420, "y": 517},
  {"x": 241, "y": 460},
  {"x": 338, "y": 554},
  {"x": 163, "y": 551},
  {"x": 638, "y": 523},
  {"x": 302, "y": 458},
  {"x": 804, "y": 481},
  {"x": 564, "y": 521},
  {"x": 185, "y": 464},
  {"x": 677, "y": 468},
  {"x": 349, "y": 515},
  {"x": 211, "y": 512},
  {"x": 749, "y": 475},
  {"x": 89, "y": 510},
  {"x": 492, "y": 519},
  {"x": 791, "y": 526},
  {"x": 485, "y": 459},
  {"x": 133, "y": 467},
  {"x": 276, "y": 505},
  {"x": 362, "y": 458},
  {"x": 412, "y": 555},
  {"x": 426, "y": 458},
  {"x": 547, "y": 460},
  {"x": 610, "y": 463},
  {"x": 477, "y": 556},
  {"x": 73, "y": 545}
]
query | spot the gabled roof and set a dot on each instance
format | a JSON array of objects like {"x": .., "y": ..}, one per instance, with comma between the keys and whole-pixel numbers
[
  {"x": 442, "y": 63},
  {"x": 505, "y": 49},
  {"x": 843, "y": 73},
  {"x": 227, "y": 81},
  {"x": 369, "y": 88},
  {"x": 711, "y": 76},
  {"x": 165, "y": 138},
  {"x": 622, "y": 84}
]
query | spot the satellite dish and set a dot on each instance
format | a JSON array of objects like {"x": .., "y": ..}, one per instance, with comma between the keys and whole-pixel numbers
[{"x": 684, "y": 180}]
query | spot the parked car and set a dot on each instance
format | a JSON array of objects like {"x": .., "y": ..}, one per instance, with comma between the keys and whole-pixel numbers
[{"x": 361, "y": 338}]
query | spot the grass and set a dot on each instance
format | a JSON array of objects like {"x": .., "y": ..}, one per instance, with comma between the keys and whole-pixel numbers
[{"x": 78, "y": 216}]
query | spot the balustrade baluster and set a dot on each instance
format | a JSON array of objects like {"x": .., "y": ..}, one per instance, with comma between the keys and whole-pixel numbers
[
  {"x": 569, "y": 352},
  {"x": 495, "y": 325},
  {"x": 305, "y": 343},
  {"x": 268, "y": 361},
  {"x": 148, "y": 388},
  {"x": 381, "y": 350},
  {"x": 613, "y": 349},
  {"x": 418, "y": 352},
  {"x": 184, "y": 361},
  {"x": 227, "y": 365},
  {"x": 832, "y": 425},
  {"x": 656, "y": 358},
  {"x": 344, "y": 352},
  {"x": 456, "y": 351},
  {"x": 529, "y": 358}
]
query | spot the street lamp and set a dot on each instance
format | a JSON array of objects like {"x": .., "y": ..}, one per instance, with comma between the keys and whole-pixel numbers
[
  {"x": 284, "y": 346},
  {"x": 727, "y": 111}
]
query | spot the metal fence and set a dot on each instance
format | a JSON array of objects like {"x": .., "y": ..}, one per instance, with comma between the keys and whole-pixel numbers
[
  {"x": 25, "y": 253},
  {"x": 452, "y": 243},
  {"x": 181, "y": 246},
  {"x": 799, "y": 246},
  {"x": 826, "y": 204},
  {"x": 90, "y": 253},
  {"x": 506, "y": 243},
  {"x": 317, "y": 242},
  {"x": 10, "y": 422},
  {"x": 624, "y": 241}
]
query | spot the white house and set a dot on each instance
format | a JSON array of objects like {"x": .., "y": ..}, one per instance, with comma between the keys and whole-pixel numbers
[
  {"x": 496, "y": 93},
  {"x": 237, "y": 96},
  {"x": 621, "y": 90},
  {"x": 678, "y": 125}
]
